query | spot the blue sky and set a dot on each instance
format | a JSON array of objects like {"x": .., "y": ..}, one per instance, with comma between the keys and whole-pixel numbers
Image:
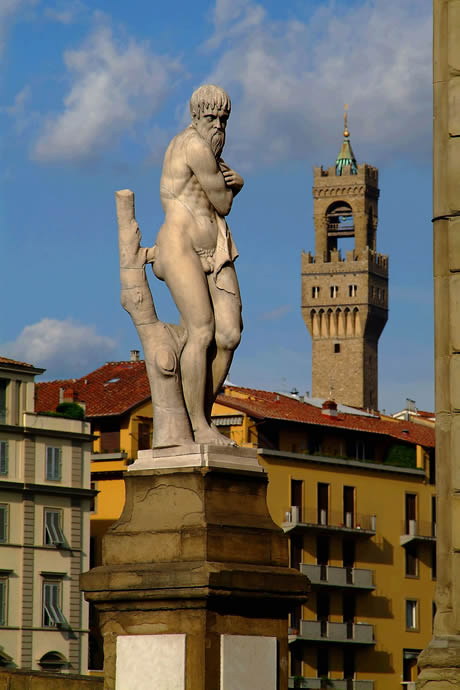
[{"x": 91, "y": 93}]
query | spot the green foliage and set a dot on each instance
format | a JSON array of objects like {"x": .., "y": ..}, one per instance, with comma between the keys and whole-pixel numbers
[
  {"x": 70, "y": 409},
  {"x": 400, "y": 455}
]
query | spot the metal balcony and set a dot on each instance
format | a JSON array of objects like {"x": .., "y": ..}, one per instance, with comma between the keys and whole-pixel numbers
[
  {"x": 329, "y": 522},
  {"x": 330, "y": 684},
  {"x": 339, "y": 633},
  {"x": 417, "y": 530},
  {"x": 334, "y": 576}
]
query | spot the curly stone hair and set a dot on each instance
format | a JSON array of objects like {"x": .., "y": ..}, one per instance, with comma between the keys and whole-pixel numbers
[{"x": 209, "y": 97}]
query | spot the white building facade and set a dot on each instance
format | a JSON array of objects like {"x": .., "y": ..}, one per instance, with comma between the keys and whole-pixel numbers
[{"x": 45, "y": 503}]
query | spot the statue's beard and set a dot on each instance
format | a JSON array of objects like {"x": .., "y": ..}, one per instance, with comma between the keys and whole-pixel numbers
[{"x": 217, "y": 143}]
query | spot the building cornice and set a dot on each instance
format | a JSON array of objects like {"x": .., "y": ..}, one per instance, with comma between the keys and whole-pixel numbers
[{"x": 354, "y": 464}]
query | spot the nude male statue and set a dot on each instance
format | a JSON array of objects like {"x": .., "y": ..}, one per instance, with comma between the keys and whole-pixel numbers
[{"x": 195, "y": 252}]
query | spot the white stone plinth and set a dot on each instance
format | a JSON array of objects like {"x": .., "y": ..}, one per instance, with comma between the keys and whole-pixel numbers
[
  {"x": 145, "y": 662},
  {"x": 248, "y": 662},
  {"x": 198, "y": 455}
]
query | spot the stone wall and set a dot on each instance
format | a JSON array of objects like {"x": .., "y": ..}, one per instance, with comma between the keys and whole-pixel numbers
[{"x": 35, "y": 680}]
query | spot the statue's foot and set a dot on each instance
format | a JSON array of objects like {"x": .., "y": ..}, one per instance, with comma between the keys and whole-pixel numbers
[{"x": 211, "y": 436}]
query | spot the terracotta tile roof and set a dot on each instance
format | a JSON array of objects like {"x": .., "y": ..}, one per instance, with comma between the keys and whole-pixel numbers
[
  {"x": 270, "y": 405},
  {"x": 112, "y": 389},
  {"x": 116, "y": 387},
  {"x": 5, "y": 360}
]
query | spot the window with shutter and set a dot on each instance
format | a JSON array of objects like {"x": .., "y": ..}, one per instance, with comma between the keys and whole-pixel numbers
[
  {"x": 53, "y": 463},
  {"x": 3, "y": 523},
  {"x": 52, "y": 613},
  {"x": 53, "y": 534},
  {"x": 3, "y": 387},
  {"x": 3, "y": 600},
  {"x": 3, "y": 457}
]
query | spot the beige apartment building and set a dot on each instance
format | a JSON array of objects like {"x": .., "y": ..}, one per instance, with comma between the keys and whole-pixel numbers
[{"x": 45, "y": 502}]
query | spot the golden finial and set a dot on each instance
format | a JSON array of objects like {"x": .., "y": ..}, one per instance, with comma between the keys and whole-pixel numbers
[{"x": 346, "y": 133}]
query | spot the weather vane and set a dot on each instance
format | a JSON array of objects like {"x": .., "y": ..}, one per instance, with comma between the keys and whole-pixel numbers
[{"x": 346, "y": 133}]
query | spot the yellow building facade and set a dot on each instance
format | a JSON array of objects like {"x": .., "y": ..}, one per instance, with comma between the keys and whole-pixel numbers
[{"x": 355, "y": 494}]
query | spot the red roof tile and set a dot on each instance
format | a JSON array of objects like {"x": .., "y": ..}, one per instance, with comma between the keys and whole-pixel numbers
[
  {"x": 112, "y": 389},
  {"x": 5, "y": 360},
  {"x": 269, "y": 405},
  {"x": 116, "y": 387}
]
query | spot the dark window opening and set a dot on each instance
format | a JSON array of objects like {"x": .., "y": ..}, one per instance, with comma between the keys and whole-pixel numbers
[
  {"x": 349, "y": 664},
  {"x": 433, "y": 516},
  {"x": 411, "y": 513},
  {"x": 349, "y": 506},
  {"x": 336, "y": 348},
  {"x": 144, "y": 442},
  {"x": 296, "y": 497},
  {"x": 411, "y": 559},
  {"x": 322, "y": 662},
  {"x": 433, "y": 561},
  {"x": 323, "y": 503},
  {"x": 3, "y": 387},
  {"x": 296, "y": 551},
  {"x": 322, "y": 555}
]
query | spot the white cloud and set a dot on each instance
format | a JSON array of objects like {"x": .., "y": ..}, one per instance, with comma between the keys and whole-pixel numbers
[
  {"x": 290, "y": 79},
  {"x": 114, "y": 85},
  {"x": 9, "y": 10},
  {"x": 65, "y": 348},
  {"x": 64, "y": 12}
]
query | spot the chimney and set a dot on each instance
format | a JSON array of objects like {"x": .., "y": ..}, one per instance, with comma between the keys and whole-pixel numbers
[
  {"x": 329, "y": 408},
  {"x": 134, "y": 356},
  {"x": 68, "y": 395}
]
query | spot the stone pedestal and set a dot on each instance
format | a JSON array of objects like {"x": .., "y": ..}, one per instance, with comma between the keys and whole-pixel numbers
[{"x": 196, "y": 556}]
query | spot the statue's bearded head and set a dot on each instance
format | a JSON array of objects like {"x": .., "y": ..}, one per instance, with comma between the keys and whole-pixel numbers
[{"x": 210, "y": 109}]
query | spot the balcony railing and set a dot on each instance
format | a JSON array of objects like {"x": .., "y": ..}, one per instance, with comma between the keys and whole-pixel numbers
[
  {"x": 324, "y": 520},
  {"x": 325, "y": 631},
  {"x": 334, "y": 576},
  {"x": 417, "y": 530},
  {"x": 330, "y": 684}
]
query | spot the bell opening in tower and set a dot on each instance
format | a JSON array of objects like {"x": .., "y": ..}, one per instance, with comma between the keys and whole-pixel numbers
[{"x": 340, "y": 227}]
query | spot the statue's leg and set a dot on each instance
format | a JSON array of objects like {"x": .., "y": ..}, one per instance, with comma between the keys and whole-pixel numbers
[
  {"x": 228, "y": 327},
  {"x": 182, "y": 272}
]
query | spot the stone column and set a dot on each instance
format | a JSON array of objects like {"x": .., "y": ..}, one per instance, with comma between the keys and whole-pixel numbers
[
  {"x": 439, "y": 663},
  {"x": 195, "y": 589}
]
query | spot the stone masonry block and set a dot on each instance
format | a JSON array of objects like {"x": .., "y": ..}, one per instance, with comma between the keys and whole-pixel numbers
[
  {"x": 454, "y": 245},
  {"x": 454, "y": 102},
  {"x": 454, "y": 311},
  {"x": 453, "y": 180},
  {"x": 455, "y": 381},
  {"x": 453, "y": 55}
]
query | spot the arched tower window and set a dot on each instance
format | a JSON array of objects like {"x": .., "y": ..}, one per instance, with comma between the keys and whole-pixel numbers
[{"x": 340, "y": 226}]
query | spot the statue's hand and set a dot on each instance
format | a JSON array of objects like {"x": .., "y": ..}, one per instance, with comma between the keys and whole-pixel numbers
[{"x": 233, "y": 179}]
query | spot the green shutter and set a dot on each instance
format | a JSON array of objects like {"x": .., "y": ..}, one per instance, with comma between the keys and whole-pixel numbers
[
  {"x": 2, "y": 602},
  {"x": 3, "y": 457},
  {"x": 3, "y": 524}
]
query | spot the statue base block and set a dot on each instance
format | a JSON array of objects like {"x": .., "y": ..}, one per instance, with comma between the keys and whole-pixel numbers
[
  {"x": 197, "y": 455},
  {"x": 439, "y": 664},
  {"x": 196, "y": 553}
]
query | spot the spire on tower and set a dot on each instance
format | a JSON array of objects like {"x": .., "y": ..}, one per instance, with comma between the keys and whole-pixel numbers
[{"x": 346, "y": 156}]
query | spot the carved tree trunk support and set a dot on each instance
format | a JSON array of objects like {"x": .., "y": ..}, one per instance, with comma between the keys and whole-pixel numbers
[{"x": 162, "y": 343}]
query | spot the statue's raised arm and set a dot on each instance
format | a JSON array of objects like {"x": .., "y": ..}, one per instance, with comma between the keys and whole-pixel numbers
[{"x": 194, "y": 254}]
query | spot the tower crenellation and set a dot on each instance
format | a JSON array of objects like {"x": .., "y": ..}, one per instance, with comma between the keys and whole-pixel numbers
[{"x": 345, "y": 290}]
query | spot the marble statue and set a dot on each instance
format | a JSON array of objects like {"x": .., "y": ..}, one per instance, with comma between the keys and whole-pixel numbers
[{"x": 194, "y": 255}]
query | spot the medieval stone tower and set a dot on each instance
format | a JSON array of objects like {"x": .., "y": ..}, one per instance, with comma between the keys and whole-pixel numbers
[{"x": 345, "y": 298}]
